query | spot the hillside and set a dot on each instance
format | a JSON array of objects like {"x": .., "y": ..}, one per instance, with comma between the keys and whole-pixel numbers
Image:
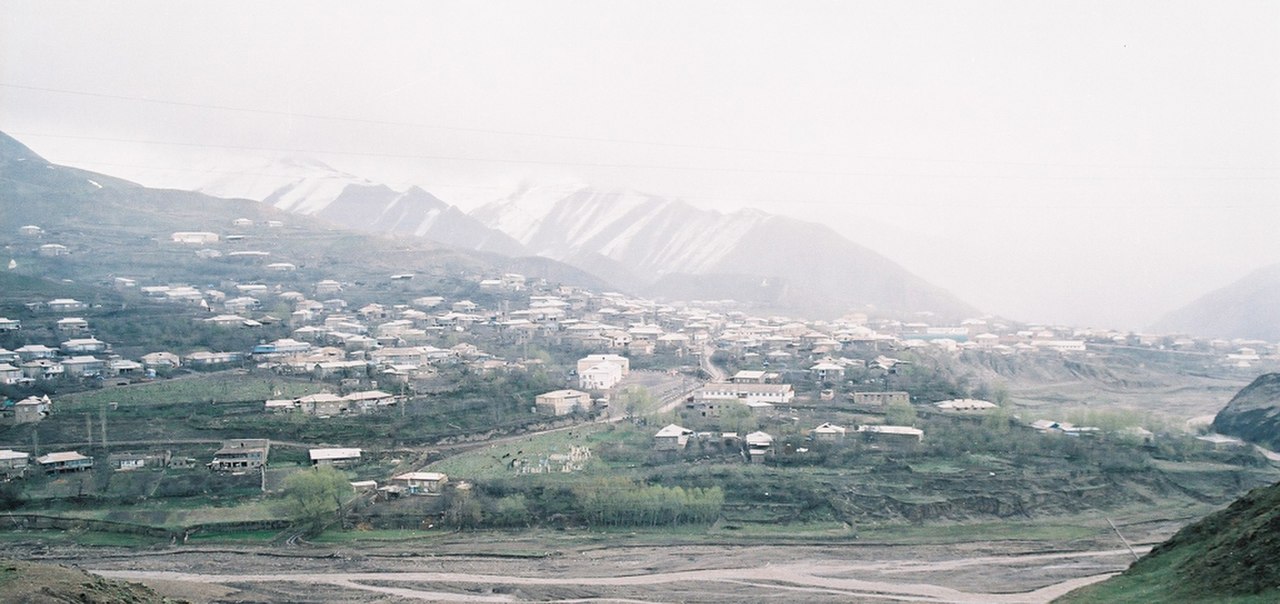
[
  {"x": 115, "y": 227},
  {"x": 674, "y": 250},
  {"x": 1254, "y": 413},
  {"x": 1244, "y": 309},
  {"x": 33, "y": 583},
  {"x": 1229, "y": 556}
]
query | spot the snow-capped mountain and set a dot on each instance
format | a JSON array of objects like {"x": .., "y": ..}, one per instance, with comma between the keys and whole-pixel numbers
[
  {"x": 669, "y": 248},
  {"x": 310, "y": 187}
]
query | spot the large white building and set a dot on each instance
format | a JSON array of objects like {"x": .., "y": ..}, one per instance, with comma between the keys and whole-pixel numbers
[
  {"x": 600, "y": 377},
  {"x": 602, "y": 371}
]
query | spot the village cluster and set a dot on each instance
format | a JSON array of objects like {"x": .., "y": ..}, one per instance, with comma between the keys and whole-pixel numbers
[{"x": 376, "y": 352}]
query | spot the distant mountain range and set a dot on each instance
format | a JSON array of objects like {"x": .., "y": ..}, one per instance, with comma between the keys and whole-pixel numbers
[
  {"x": 312, "y": 188},
  {"x": 638, "y": 242},
  {"x": 114, "y": 226},
  {"x": 1248, "y": 308}
]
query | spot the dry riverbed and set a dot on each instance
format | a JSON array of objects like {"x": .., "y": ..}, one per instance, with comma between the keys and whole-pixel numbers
[{"x": 1013, "y": 572}]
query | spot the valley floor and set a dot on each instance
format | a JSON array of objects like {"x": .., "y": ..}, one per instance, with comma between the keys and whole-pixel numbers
[
  {"x": 944, "y": 563},
  {"x": 970, "y": 573}
]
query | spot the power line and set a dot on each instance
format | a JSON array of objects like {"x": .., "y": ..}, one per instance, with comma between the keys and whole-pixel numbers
[
  {"x": 579, "y": 138},
  {"x": 679, "y": 168}
]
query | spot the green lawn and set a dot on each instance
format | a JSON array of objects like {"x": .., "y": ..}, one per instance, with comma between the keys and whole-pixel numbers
[
  {"x": 494, "y": 461},
  {"x": 173, "y": 514}
]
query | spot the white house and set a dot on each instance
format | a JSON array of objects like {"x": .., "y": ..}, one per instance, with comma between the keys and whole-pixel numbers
[
  {"x": 591, "y": 360},
  {"x": 422, "y": 483},
  {"x": 671, "y": 438},
  {"x": 600, "y": 377},
  {"x": 828, "y": 433},
  {"x": 194, "y": 237},
  {"x": 334, "y": 457},
  {"x": 66, "y": 305},
  {"x": 562, "y": 402},
  {"x": 965, "y": 404}
]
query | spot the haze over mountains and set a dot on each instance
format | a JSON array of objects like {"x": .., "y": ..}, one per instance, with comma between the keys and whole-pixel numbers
[
  {"x": 112, "y": 225},
  {"x": 667, "y": 248},
  {"x": 313, "y": 188},
  {"x": 636, "y": 241},
  {"x": 1246, "y": 308}
]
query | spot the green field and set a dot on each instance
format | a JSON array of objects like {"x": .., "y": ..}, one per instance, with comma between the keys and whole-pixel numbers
[
  {"x": 221, "y": 387},
  {"x": 494, "y": 461}
]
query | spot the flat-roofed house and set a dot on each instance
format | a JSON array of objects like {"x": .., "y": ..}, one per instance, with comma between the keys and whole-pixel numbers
[
  {"x": 591, "y": 360},
  {"x": 562, "y": 402},
  {"x": 66, "y": 305},
  {"x": 64, "y": 462},
  {"x": 83, "y": 346},
  {"x": 965, "y": 404},
  {"x": 138, "y": 461},
  {"x": 600, "y": 377},
  {"x": 902, "y": 438},
  {"x": 777, "y": 394},
  {"x": 323, "y": 403},
  {"x": 194, "y": 237},
  {"x": 880, "y": 399},
  {"x": 334, "y": 457},
  {"x": 83, "y": 366},
  {"x": 421, "y": 483},
  {"x": 13, "y": 463},
  {"x": 243, "y": 454}
]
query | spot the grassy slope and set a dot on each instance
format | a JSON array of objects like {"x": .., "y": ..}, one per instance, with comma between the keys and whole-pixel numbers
[{"x": 1230, "y": 556}]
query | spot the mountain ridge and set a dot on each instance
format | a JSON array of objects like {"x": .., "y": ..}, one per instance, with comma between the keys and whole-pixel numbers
[
  {"x": 1244, "y": 308},
  {"x": 675, "y": 250},
  {"x": 114, "y": 226}
]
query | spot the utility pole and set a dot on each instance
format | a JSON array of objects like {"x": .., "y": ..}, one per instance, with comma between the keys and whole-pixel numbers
[
  {"x": 35, "y": 442},
  {"x": 102, "y": 419},
  {"x": 88, "y": 430}
]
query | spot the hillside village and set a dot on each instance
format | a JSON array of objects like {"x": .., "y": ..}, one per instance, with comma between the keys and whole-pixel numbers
[{"x": 733, "y": 382}]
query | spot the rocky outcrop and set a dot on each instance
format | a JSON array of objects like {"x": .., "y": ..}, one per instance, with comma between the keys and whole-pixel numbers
[{"x": 1254, "y": 413}]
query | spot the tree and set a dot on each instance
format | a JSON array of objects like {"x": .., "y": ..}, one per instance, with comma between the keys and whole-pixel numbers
[
  {"x": 316, "y": 493},
  {"x": 900, "y": 414},
  {"x": 636, "y": 400},
  {"x": 463, "y": 510}
]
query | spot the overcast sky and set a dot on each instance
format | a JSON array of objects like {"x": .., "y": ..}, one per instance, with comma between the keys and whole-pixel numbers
[{"x": 1090, "y": 163}]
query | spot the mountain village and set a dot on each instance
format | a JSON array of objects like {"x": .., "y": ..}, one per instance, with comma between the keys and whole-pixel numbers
[{"x": 372, "y": 358}]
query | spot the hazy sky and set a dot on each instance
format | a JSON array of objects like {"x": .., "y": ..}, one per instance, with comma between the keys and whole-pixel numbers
[{"x": 1092, "y": 163}]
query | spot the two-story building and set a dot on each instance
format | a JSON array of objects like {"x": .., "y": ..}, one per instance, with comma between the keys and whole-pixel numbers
[{"x": 243, "y": 454}]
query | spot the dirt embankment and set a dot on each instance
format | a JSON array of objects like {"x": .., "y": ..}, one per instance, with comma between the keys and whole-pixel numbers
[{"x": 34, "y": 583}]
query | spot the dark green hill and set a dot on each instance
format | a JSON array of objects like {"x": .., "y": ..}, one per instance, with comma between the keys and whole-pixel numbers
[
  {"x": 1230, "y": 556},
  {"x": 1254, "y": 413}
]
